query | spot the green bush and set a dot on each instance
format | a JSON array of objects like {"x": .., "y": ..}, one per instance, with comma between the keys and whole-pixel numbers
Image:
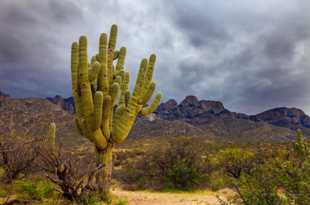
[
  {"x": 259, "y": 187},
  {"x": 36, "y": 190},
  {"x": 217, "y": 180},
  {"x": 121, "y": 202},
  {"x": 234, "y": 161},
  {"x": 3, "y": 192},
  {"x": 182, "y": 164},
  {"x": 281, "y": 180},
  {"x": 89, "y": 199},
  {"x": 183, "y": 176}
]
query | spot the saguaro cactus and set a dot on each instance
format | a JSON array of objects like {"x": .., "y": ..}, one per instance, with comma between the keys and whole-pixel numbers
[
  {"x": 105, "y": 108},
  {"x": 51, "y": 135}
]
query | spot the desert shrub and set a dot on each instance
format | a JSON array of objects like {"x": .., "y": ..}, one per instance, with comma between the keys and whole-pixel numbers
[
  {"x": 180, "y": 165},
  {"x": 294, "y": 172},
  {"x": 90, "y": 199},
  {"x": 35, "y": 190},
  {"x": 235, "y": 161},
  {"x": 17, "y": 158},
  {"x": 123, "y": 157},
  {"x": 284, "y": 179},
  {"x": 217, "y": 180},
  {"x": 258, "y": 187},
  {"x": 75, "y": 176}
]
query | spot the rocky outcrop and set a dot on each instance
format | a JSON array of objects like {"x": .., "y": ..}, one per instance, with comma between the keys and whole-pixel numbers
[
  {"x": 66, "y": 104},
  {"x": 212, "y": 116},
  {"x": 292, "y": 118},
  {"x": 189, "y": 108}
]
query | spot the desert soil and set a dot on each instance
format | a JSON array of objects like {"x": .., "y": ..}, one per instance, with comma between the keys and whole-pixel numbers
[{"x": 155, "y": 198}]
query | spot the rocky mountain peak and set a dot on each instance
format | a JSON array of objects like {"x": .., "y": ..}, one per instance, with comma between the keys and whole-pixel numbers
[
  {"x": 190, "y": 100},
  {"x": 287, "y": 117},
  {"x": 167, "y": 106},
  {"x": 208, "y": 105}
]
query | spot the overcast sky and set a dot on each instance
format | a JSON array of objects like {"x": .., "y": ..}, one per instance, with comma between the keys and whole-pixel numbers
[{"x": 251, "y": 55}]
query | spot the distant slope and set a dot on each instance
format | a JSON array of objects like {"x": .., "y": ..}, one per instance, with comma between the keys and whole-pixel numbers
[
  {"x": 31, "y": 116},
  {"x": 158, "y": 127}
]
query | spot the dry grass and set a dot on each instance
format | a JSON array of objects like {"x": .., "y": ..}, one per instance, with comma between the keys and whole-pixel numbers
[{"x": 170, "y": 198}]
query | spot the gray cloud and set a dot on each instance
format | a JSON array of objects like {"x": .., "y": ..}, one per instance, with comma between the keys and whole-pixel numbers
[{"x": 252, "y": 55}]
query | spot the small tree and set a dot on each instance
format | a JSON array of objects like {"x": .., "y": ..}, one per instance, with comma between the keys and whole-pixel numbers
[
  {"x": 75, "y": 177},
  {"x": 17, "y": 157},
  {"x": 234, "y": 161}
]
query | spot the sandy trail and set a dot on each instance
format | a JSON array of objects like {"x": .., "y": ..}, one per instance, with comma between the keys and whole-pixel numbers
[{"x": 155, "y": 198}]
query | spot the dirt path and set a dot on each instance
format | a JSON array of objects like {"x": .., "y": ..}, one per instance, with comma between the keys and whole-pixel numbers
[{"x": 154, "y": 198}]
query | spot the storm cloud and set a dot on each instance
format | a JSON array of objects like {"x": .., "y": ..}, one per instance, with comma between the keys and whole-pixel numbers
[{"x": 252, "y": 55}]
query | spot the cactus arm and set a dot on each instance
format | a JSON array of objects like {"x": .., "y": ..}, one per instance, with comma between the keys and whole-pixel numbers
[
  {"x": 107, "y": 108},
  {"x": 103, "y": 49},
  {"x": 103, "y": 79},
  {"x": 86, "y": 93},
  {"x": 99, "y": 139},
  {"x": 139, "y": 82},
  {"x": 94, "y": 71},
  {"x": 125, "y": 82},
  {"x": 148, "y": 110},
  {"x": 74, "y": 66},
  {"x": 98, "y": 110},
  {"x": 150, "y": 70},
  {"x": 111, "y": 48},
  {"x": 124, "y": 120},
  {"x": 127, "y": 97},
  {"x": 113, "y": 36},
  {"x": 115, "y": 93},
  {"x": 149, "y": 93},
  {"x": 116, "y": 54},
  {"x": 121, "y": 60},
  {"x": 74, "y": 77}
]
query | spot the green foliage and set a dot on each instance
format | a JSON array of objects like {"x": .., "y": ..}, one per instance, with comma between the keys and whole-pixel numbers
[
  {"x": 121, "y": 202},
  {"x": 182, "y": 175},
  {"x": 217, "y": 180},
  {"x": 234, "y": 161},
  {"x": 36, "y": 190},
  {"x": 3, "y": 192},
  {"x": 180, "y": 165},
  {"x": 90, "y": 199},
  {"x": 281, "y": 180}
]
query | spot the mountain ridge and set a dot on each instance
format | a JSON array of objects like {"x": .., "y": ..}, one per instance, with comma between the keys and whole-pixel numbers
[{"x": 191, "y": 117}]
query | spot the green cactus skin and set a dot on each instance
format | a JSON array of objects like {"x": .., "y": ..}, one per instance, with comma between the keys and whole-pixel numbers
[
  {"x": 105, "y": 108},
  {"x": 51, "y": 135}
]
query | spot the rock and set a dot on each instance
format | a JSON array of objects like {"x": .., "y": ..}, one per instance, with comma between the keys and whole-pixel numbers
[{"x": 66, "y": 104}]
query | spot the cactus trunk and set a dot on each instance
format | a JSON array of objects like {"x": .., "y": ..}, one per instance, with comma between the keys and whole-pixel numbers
[
  {"x": 105, "y": 108},
  {"x": 104, "y": 157}
]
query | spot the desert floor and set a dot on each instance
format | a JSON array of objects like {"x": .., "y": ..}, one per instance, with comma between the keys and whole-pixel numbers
[{"x": 182, "y": 198}]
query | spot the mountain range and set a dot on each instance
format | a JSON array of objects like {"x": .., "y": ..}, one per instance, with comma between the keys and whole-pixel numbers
[{"x": 190, "y": 117}]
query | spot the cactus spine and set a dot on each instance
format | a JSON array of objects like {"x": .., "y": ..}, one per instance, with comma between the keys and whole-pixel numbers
[{"x": 105, "y": 108}]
